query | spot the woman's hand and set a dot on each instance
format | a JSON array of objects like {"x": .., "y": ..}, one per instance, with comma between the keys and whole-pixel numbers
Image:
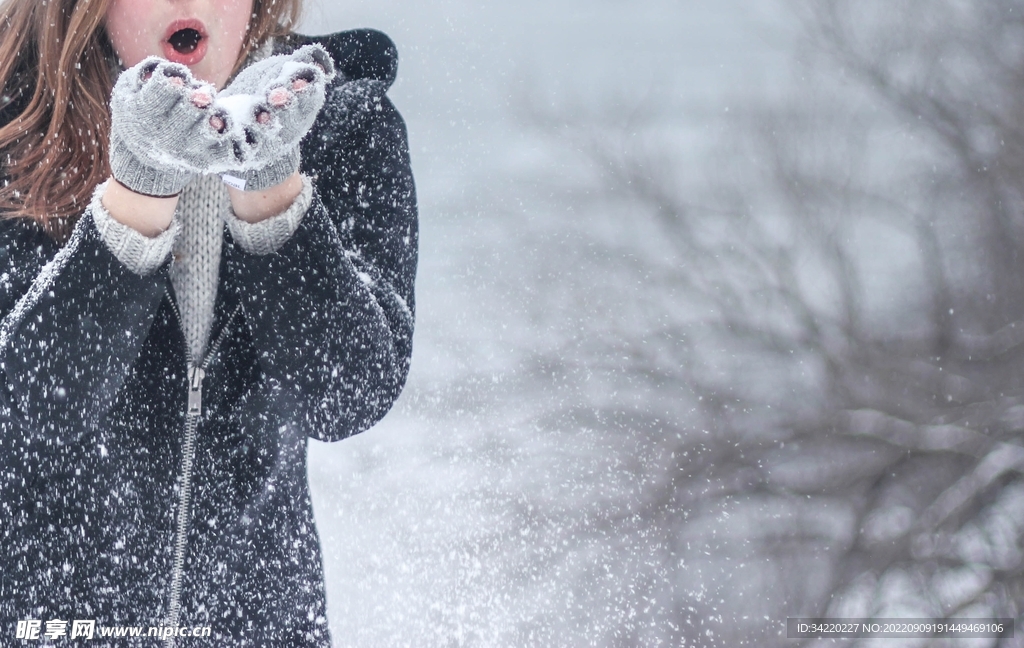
[
  {"x": 160, "y": 139},
  {"x": 161, "y": 134},
  {"x": 264, "y": 113}
]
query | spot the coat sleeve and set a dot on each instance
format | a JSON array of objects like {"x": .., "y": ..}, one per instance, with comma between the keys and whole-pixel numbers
[
  {"x": 331, "y": 311},
  {"x": 73, "y": 322}
]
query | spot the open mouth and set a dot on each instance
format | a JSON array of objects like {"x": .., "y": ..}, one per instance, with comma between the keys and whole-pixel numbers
[{"x": 185, "y": 41}]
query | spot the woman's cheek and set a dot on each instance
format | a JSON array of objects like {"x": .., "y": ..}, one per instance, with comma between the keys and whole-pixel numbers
[{"x": 127, "y": 33}]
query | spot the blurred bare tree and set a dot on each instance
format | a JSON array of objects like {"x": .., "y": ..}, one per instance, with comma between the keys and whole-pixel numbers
[{"x": 818, "y": 329}]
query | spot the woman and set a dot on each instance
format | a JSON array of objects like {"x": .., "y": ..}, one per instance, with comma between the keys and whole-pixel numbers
[{"x": 168, "y": 342}]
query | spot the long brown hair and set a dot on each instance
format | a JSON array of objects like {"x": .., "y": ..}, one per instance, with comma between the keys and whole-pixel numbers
[{"x": 57, "y": 68}]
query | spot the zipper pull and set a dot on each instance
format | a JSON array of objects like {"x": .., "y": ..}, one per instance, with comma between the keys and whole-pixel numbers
[{"x": 195, "y": 391}]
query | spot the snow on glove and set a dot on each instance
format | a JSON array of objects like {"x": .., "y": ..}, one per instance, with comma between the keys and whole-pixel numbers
[
  {"x": 160, "y": 136},
  {"x": 264, "y": 113}
]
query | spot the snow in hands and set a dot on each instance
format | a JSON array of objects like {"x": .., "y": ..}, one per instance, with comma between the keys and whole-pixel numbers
[{"x": 168, "y": 127}]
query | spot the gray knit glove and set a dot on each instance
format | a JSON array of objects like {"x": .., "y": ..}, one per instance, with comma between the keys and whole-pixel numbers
[
  {"x": 160, "y": 135},
  {"x": 265, "y": 112}
]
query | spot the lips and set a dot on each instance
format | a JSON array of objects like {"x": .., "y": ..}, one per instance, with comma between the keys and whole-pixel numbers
[{"x": 184, "y": 41}]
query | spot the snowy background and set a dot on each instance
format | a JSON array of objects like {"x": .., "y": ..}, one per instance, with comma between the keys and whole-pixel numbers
[{"x": 641, "y": 261}]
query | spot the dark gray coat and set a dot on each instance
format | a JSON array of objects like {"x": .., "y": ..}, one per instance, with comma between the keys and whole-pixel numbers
[{"x": 314, "y": 341}]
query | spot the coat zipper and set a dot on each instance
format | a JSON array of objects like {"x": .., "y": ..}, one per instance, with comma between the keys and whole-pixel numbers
[{"x": 196, "y": 374}]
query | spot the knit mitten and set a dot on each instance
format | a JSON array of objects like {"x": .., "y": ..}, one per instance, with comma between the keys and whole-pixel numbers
[
  {"x": 265, "y": 112},
  {"x": 160, "y": 135}
]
